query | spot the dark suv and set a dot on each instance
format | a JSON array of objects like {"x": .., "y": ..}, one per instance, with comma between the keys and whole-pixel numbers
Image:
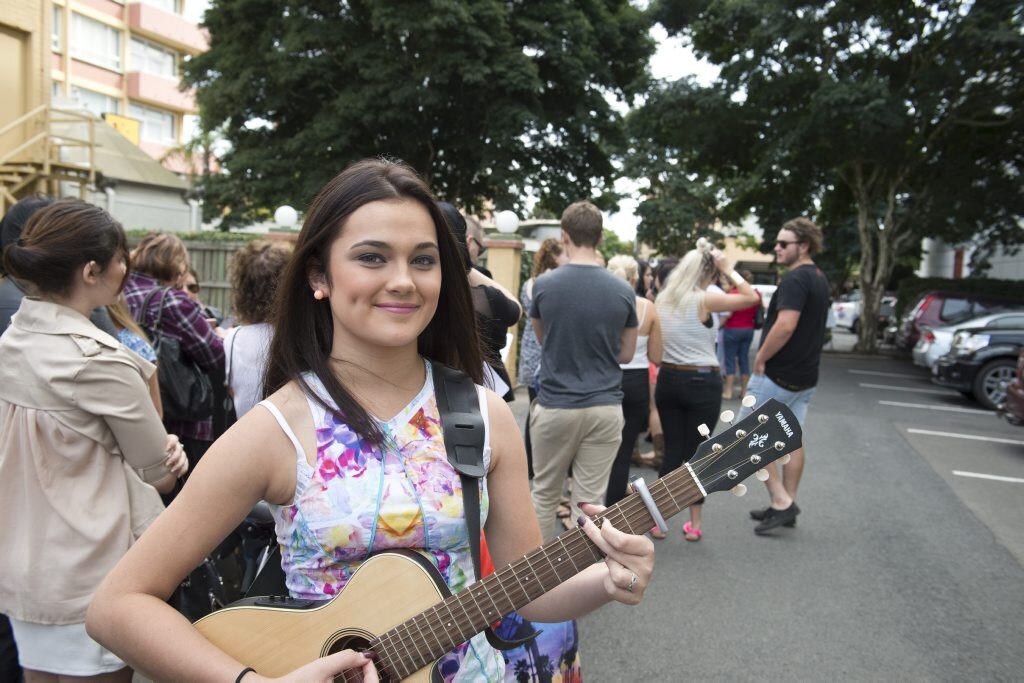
[
  {"x": 981, "y": 362},
  {"x": 939, "y": 309}
]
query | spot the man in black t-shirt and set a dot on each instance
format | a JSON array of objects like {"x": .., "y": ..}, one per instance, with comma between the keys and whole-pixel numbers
[{"x": 786, "y": 365}]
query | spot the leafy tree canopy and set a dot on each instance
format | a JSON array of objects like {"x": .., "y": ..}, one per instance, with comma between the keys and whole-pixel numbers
[
  {"x": 904, "y": 118},
  {"x": 488, "y": 100},
  {"x": 611, "y": 245}
]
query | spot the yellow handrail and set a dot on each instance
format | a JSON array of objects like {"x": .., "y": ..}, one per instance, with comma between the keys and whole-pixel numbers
[
  {"x": 39, "y": 137},
  {"x": 43, "y": 148},
  {"x": 24, "y": 118}
]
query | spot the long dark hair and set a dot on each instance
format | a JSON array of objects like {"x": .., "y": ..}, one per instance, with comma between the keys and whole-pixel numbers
[
  {"x": 61, "y": 238},
  {"x": 304, "y": 332}
]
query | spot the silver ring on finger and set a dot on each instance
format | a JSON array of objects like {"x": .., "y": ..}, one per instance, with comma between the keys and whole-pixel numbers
[{"x": 632, "y": 582}]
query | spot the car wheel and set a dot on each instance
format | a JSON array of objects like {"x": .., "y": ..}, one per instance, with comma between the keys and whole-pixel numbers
[
  {"x": 855, "y": 327},
  {"x": 990, "y": 383}
]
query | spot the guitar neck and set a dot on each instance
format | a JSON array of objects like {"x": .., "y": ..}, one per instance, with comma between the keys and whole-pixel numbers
[{"x": 426, "y": 637}]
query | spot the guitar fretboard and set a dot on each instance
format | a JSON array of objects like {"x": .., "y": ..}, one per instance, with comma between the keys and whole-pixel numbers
[{"x": 426, "y": 637}]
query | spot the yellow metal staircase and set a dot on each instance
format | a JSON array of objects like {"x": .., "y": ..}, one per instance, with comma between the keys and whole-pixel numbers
[{"x": 43, "y": 148}]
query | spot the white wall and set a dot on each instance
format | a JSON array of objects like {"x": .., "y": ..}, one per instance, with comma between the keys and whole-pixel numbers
[
  {"x": 147, "y": 207},
  {"x": 937, "y": 260}
]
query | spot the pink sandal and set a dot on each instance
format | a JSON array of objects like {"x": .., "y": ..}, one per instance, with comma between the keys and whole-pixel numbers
[
  {"x": 656, "y": 533},
  {"x": 688, "y": 530}
]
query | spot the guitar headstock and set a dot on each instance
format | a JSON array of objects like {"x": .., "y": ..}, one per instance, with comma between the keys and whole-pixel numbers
[{"x": 767, "y": 434}]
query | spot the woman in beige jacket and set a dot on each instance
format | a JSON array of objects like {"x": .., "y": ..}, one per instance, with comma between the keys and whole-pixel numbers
[{"x": 77, "y": 432}]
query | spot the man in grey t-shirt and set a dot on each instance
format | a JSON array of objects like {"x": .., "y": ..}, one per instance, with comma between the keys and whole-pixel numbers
[{"x": 585, "y": 319}]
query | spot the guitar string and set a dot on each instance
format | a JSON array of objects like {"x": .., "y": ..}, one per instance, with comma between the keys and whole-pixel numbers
[
  {"x": 579, "y": 547},
  {"x": 576, "y": 540},
  {"x": 574, "y": 553},
  {"x": 574, "y": 550},
  {"x": 543, "y": 576}
]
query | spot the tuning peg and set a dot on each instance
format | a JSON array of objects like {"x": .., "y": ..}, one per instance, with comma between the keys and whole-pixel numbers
[
  {"x": 727, "y": 416},
  {"x": 739, "y": 490},
  {"x": 784, "y": 460},
  {"x": 748, "y": 401},
  {"x": 761, "y": 474},
  {"x": 703, "y": 430}
]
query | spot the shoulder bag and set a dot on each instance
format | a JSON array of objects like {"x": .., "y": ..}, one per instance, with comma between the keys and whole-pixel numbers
[
  {"x": 185, "y": 388},
  {"x": 759, "y": 317}
]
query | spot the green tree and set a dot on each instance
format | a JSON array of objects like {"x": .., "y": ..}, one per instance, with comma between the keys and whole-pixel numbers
[
  {"x": 611, "y": 244},
  {"x": 904, "y": 118},
  {"x": 488, "y": 100}
]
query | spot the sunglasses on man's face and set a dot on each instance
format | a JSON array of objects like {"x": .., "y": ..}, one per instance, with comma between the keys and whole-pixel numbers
[{"x": 784, "y": 244}]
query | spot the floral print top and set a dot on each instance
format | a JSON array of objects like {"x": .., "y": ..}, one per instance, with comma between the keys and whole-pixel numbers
[
  {"x": 137, "y": 344},
  {"x": 360, "y": 499}
]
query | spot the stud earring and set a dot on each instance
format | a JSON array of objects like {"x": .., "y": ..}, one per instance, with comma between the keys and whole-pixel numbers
[{"x": 319, "y": 295}]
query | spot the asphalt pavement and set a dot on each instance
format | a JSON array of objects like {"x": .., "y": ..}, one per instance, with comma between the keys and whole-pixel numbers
[{"x": 906, "y": 563}]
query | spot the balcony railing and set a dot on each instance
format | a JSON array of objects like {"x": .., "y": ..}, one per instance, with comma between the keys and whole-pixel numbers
[{"x": 166, "y": 28}]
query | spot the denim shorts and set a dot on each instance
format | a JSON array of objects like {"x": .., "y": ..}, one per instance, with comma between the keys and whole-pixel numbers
[{"x": 763, "y": 389}]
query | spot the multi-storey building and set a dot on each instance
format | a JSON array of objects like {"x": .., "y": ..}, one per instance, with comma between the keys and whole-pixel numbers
[
  {"x": 66, "y": 63},
  {"x": 124, "y": 58}
]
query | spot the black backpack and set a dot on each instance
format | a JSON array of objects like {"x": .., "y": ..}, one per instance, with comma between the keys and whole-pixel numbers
[{"x": 185, "y": 389}]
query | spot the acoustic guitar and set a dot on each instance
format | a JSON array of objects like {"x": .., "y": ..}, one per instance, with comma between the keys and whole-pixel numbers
[{"x": 398, "y": 605}]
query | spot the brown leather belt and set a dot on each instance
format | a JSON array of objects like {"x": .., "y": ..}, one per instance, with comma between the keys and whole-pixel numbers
[{"x": 690, "y": 368}]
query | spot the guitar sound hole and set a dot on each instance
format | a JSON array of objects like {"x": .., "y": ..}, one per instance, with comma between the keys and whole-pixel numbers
[{"x": 357, "y": 642}]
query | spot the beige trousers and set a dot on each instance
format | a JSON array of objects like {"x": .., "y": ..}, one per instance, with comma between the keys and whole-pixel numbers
[{"x": 585, "y": 438}]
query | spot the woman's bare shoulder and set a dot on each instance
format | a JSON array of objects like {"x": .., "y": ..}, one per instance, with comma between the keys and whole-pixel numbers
[{"x": 290, "y": 400}]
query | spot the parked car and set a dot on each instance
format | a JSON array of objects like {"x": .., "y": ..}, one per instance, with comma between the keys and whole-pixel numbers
[
  {"x": 1013, "y": 407},
  {"x": 980, "y": 363},
  {"x": 936, "y": 341},
  {"x": 846, "y": 312},
  {"x": 937, "y": 309}
]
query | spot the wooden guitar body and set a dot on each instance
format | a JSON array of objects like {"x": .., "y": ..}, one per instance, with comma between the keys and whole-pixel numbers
[{"x": 386, "y": 590}]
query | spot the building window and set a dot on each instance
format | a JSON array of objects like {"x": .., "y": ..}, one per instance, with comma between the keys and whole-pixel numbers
[
  {"x": 166, "y": 5},
  {"x": 97, "y": 103},
  {"x": 96, "y": 42},
  {"x": 152, "y": 59},
  {"x": 58, "y": 16},
  {"x": 156, "y": 125}
]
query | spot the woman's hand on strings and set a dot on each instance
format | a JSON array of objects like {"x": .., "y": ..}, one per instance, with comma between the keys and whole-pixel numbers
[
  {"x": 353, "y": 664},
  {"x": 629, "y": 558}
]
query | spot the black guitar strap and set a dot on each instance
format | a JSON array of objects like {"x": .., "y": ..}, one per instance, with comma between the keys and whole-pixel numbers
[{"x": 463, "y": 427}]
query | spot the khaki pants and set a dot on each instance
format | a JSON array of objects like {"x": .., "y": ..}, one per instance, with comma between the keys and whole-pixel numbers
[{"x": 586, "y": 439}]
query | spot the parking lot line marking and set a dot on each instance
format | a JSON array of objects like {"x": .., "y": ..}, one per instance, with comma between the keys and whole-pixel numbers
[
  {"x": 991, "y": 477},
  {"x": 926, "y": 406},
  {"x": 972, "y": 437},
  {"x": 890, "y": 387},
  {"x": 887, "y": 374}
]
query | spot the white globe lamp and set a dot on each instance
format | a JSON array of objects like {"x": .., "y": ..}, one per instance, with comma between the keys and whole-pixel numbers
[
  {"x": 507, "y": 222},
  {"x": 286, "y": 216}
]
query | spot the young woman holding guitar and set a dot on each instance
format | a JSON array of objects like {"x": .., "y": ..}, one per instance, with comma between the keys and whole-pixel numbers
[{"x": 348, "y": 450}]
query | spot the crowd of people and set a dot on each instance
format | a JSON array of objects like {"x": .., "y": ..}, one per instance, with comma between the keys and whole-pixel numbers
[{"x": 315, "y": 394}]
